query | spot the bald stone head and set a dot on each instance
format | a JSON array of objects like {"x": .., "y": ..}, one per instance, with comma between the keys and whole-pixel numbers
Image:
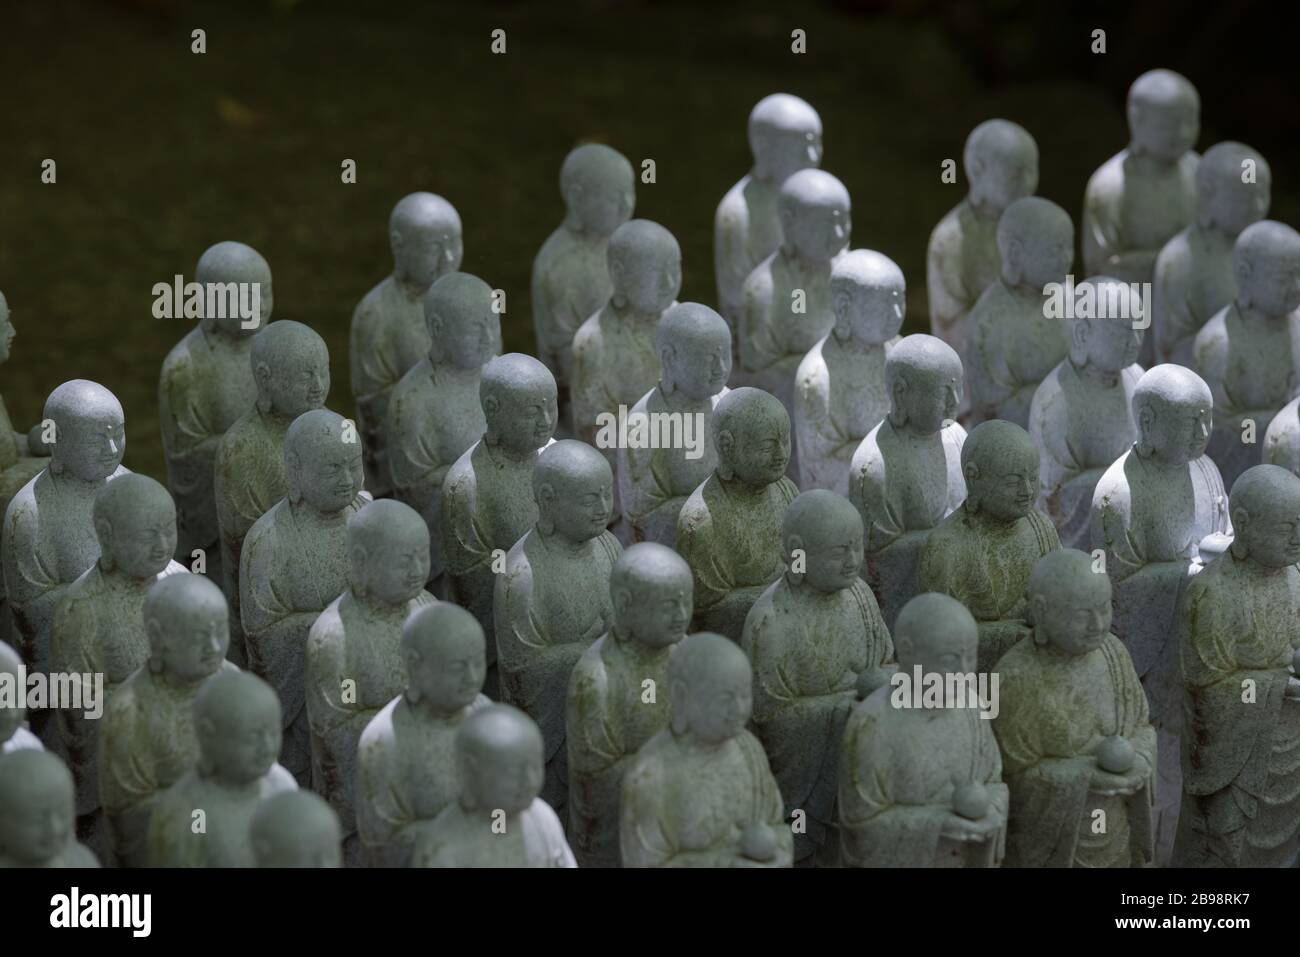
[
  {"x": 814, "y": 210},
  {"x": 518, "y": 397},
  {"x": 228, "y": 262},
  {"x": 869, "y": 297},
  {"x": 388, "y": 552},
  {"x": 7, "y": 331},
  {"x": 1036, "y": 242},
  {"x": 187, "y": 620},
  {"x": 500, "y": 757},
  {"x": 923, "y": 375},
  {"x": 292, "y": 369},
  {"x": 464, "y": 327},
  {"x": 1100, "y": 332},
  {"x": 89, "y": 431},
  {"x": 1001, "y": 164},
  {"x": 322, "y": 458},
  {"x": 237, "y": 722},
  {"x": 936, "y": 632},
  {"x": 645, "y": 267},
  {"x": 1234, "y": 187},
  {"x": 1174, "y": 412},
  {"x": 296, "y": 829},
  {"x": 1000, "y": 463},
  {"x": 424, "y": 232},
  {"x": 653, "y": 595},
  {"x": 1069, "y": 601},
  {"x": 12, "y": 715},
  {"x": 135, "y": 522},
  {"x": 446, "y": 657},
  {"x": 574, "y": 490},
  {"x": 1266, "y": 263},
  {"x": 1265, "y": 509},
  {"x": 785, "y": 136},
  {"x": 694, "y": 347},
  {"x": 751, "y": 432},
  {"x": 710, "y": 687},
  {"x": 599, "y": 189},
  {"x": 823, "y": 538},
  {"x": 1164, "y": 115},
  {"x": 36, "y": 807}
]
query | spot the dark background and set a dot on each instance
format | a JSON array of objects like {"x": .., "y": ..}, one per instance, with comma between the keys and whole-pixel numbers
[{"x": 162, "y": 152}]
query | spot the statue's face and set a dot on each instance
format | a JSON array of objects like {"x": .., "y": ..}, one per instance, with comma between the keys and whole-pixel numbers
[
  {"x": 7, "y": 331},
  {"x": 330, "y": 475},
  {"x": 526, "y": 421},
  {"x": 1273, "y": 284},
  {"x": 1006, "y": 486},
  {"x": 930, "y": 399},
  {"x": 1076, "y": 617},
  {"x": 194, "y": 642},
  {"x": 38, "y": 825},
  {"x": 1274, "y": 540},
  {"x": 833, "y": 557},
  {"x": 943, "y": 651},
  {"x": 787, "y": 151},
  {"x": 451, "y": 674},
  {"x": 301, "y": 384},
  {"x": 142, "y": 549},
  {"x": 1113, "y": 343},
  {"x": 1165, "y": 132},
  {"x": 91, "y": 446},
  {"x": 874, "y": 316},
  {"x": 719, "y": 700},
  {"x": 582, "y": 509},
  {"x": 426, "y": 254},
  {"x": 246, "y": 743},
  {"x": 509, "y": 777},
  {"x": 653, "y": 285},
  {"x": 1234, "y": 205},
  {"x": 604, "y": 203},
  {"x": 818, "y": 231},
  {"x": 1180, "y": 432},
  {"x": 997, "y": 181},
  {"x": 700, "y": 368},
  {"x": 1045, "y": 259},
  {"x": 760, "y": 452},
  {"x": 396, "y": 573},
  {"x": 660, "y": 612},
  {"x": 468, "y": 342},
  {"x": 232, "y": 324}
]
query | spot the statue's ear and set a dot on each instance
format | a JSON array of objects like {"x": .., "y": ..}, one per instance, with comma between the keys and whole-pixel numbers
[
  {"x": 103, "y": 531},
  {"x": 622, "y": 600},
  {"x": 726, "y": 443},
  {"x": 545, "y": 495},
  {"x": 616, "y": 272},
  {"x": 793, "y": 543},
  {"x": 1080, "y": 332},
  {"x": 357, "y": 555},
  {"x": 491, "y": 405},
  {"x": 1146, "y": 419},
  {"x": 395, "y": 240},
  {"x": 677, "y": 698},
  {"x": 899, "y": 388},
  {"x": 1240, "y": 520},
  {"x": 435, "y": 325},
  {"x": 1014, "y": 249},
  {"x": 262, "y": 372},
  {"x": 1038, "y": 608},
  {"x": 971, "y": 471},
  {"x": 666, "y": 355},
  {"x": 1244, "y": 272}
]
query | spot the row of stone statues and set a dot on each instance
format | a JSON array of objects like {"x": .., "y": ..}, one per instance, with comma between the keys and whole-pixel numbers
[{"x": 361, "y": 684}]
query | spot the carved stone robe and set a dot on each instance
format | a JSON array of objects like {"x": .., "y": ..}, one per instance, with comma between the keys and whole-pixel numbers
[{"x": 457, "y": 838}]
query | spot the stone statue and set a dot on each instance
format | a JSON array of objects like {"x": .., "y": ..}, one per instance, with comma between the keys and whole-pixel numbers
[
  {"x": 295, "y": 562},
  {"x": 295, "y": 829},
  {"x": 1249, "y": 352},
  {"x": 570, "y": 274},
  {"x": 785, "y": 136},
  {"x": 37, "y": 813},
  {"x": 983, "y": 553},
  {"x": 729, "y": 530},
  {"x": 552, "y": 600},
  {"x": 614, "y": 355},
  {"x": 1081, "y": 417},
  {"x": 354, "y": 658},
  {"x": 487, "y": 497},
  {"x": 1193, "y": 273},
  {"x": 1145, "y": 194},
  {"x": 14, "y": 735},
  {"x": 49, "y": 532},
  {"x": 206, "y": 386},
  {"x": 1001, "y": 164},
  {"x": 905, "y": 476},
  {"x": 921, "y": 786},
  {"x": 498, "y": 819},
  {"x": 1078, "y": 750},
  {"x": 98, "y": 637},
  {"x": 147, "y": 739},
  {"x": 786, "y": 301},
  {"x": 1012, "y": 341},
  {"x": 291, "y": 367},
  {"x": 694, "y": 349},
  {"x": 406, "y": 768},
  {"x": 618, "y": 692},
  {"x": 814, "y": 637},
  {"x": 700, "y": 792},
  {"x": 237, "y": 721},
  {"x": 23, "y": 455},
  {"x": 839, "y": 388},
  {"x": 1238, "y": 634},
  {"x": 1159, "y": 512},
  {"x": 389, "y": 334},
  {"x": 434, "y": 413},
  {"x": 1282, "y": 438}
]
